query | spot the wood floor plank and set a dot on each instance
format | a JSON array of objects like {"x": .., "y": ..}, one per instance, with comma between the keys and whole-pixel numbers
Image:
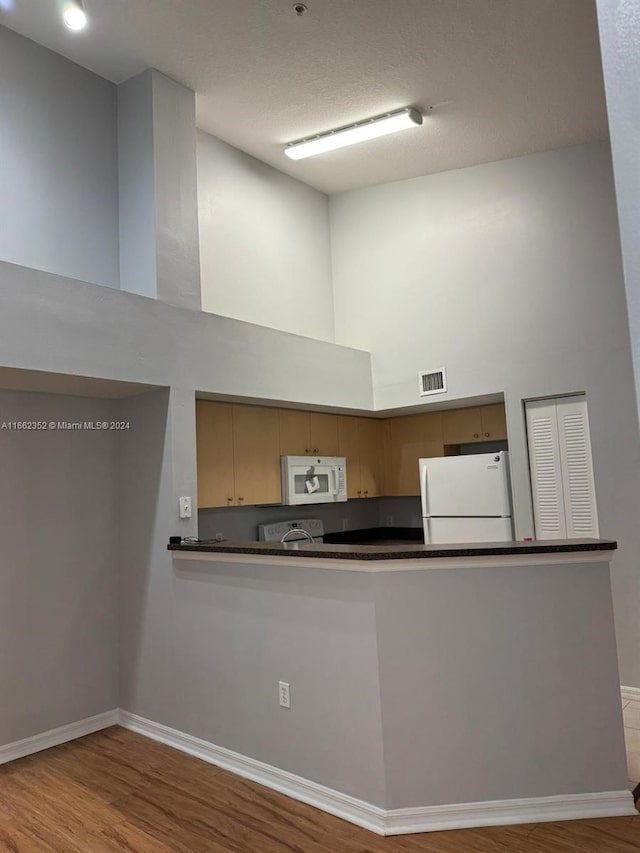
[
  {"x": 255, "y": 802},
  {"x": 126, "y": 838},
  {"x": 607, "y": 835},
  {"x": 13, "y": 839},
  {"x": 118, "y": 791}
]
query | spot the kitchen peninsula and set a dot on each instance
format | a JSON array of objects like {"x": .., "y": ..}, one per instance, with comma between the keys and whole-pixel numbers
[{"x": 431, "y": 686}]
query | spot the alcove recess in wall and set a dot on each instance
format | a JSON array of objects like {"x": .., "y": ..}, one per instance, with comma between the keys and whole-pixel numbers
[
  {"x": 239, "y": 446},
  {"x": 474, "y": 430}
]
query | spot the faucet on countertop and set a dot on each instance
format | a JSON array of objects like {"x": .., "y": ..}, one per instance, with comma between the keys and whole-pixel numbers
[{"x": 296, "y": 530}]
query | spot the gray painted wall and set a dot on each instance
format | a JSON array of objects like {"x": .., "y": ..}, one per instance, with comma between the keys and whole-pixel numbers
[
  {"x": 619, "y": 25},
  {"x": 307, "y": 627},
  {"x": 264, "y": 243},
  {"x": 59, "y": 594},
  {"x": 203, "y": 651},
  {"x": 498, "y": 683},
  {"x": 53, "y": 323},
  {"x": 157, "y": 189},
  {"x": 176, "y": 205},
  {"x": 242, "y": 522},
  {"x": 58, "y": 164},
  {"x": 69, "y": 327},
  {"x": 136, "y": 187},
  {"x": 509, "y": 274}
]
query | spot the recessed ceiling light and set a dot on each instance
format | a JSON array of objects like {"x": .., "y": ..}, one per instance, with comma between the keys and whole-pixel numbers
[
  {"x": 73, "y": 15},
  {"x": 360, "y": 131}
]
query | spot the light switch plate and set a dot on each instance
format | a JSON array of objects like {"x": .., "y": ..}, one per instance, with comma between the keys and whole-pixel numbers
[{"x": 185, "y": 507}]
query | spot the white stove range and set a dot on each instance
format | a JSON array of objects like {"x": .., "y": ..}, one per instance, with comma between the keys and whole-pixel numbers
[{"x": 274, "y": 532}]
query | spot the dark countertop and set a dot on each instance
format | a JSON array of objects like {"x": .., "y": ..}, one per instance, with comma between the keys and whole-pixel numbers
[{"x": 413, "y": 551}]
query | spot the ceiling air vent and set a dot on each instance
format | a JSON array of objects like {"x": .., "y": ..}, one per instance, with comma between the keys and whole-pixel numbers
[{"x": 432, "y": 382}]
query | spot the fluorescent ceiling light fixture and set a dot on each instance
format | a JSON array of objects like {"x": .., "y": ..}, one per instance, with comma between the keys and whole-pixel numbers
[
  {"x": 73, "y": 15},
  {"x": 361, "y": 131}
]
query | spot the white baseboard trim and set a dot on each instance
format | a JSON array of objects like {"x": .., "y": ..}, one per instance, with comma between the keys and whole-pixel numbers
[
  {"x": 394, "y": 821},
  {"x": 54, "y": 737},
  {"x": 508, "y": 812},
  {"x": 630, "y": 693},
  {"x": 342, "y": 805}
]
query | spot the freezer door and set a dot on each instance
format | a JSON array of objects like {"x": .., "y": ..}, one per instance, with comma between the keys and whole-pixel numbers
[
  {"x": 440, "y": 531},
  {"x": 466, "y": 485}
]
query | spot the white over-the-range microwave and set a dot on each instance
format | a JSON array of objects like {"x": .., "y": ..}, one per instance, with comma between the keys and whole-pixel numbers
[{"x": 313, "y": 479}]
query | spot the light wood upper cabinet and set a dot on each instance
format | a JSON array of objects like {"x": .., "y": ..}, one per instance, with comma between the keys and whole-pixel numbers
[
  {"x": 360, "y": 440},
  {"x": 307, "y": 433},
  {"x": 214, "y": 445},
  {"x": 256, "y": 456},
  {"x": 494, "y": 423},
  {"x": 324, "y": 434},
  {"x": 239, "y": 448},
  {"x": 295, "y": 435},
  {"x": 411, "y": 438},
  {"x": 462, "y": 426},
  {"x": 370, "y": 435},
  {"x": 349, "y": 447},
  {"x": 481, "y": 423}
]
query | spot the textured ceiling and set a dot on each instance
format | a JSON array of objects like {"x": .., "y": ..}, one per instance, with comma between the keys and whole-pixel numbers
[{"x": 507, "y": 77}]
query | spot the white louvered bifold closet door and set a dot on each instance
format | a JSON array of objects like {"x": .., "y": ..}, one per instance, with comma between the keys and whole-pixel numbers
[
  {"x": 564, "y": 502},
  {"x": 577, "y": 468},
  {"x": 546, "y": 470}
]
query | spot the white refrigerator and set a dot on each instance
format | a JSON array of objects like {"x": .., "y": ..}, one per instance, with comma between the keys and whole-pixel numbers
[{"x": 466, "y": 498}]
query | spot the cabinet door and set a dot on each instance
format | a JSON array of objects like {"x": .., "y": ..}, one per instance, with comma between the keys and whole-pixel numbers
[
  {"x": 412, "y": 437},
  {"x": 387, "y": 471},
  {"x": 214, "y": 447},
  {"x": 256, "y": 455},
  {"x": 370, "y": 433},
  {"x": 462, "y": 426},
  {"x": 349, "y": 447},
  {"x": 295, "y": 439},
  {"x": 324, "y": 434},
  {"x": 494, "y": 422}
]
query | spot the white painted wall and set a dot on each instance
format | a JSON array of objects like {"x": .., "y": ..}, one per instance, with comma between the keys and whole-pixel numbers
[
  {"x": 509, "y": 274},
  {"x": 59, "y": 578},
  {"x": 264, "y": 243},
  {"x": 58, "y": 164}
]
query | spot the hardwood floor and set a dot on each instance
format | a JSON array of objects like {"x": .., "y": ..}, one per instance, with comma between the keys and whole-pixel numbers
[{"x": 117, "y": 791}]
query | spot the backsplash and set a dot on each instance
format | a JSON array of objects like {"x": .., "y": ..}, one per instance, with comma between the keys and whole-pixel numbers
[{"x": 241, "y": 523}]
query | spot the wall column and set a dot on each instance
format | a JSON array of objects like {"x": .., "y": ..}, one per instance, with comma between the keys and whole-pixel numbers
[
  {"x": 159, "y": 249},
  {"x": 619, "y": 25}
]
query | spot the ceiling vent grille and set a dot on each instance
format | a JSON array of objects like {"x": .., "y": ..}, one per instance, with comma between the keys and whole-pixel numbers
[{"x": 432, "y": 382}]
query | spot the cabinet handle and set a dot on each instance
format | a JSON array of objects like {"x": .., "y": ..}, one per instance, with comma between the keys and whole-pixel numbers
[
  {"x": 487, "y": 434},
  {"x": 230, "y": 500},
  {"x": 366, "y": 491},
  {"x": 240, "y": 499},
  {"x": 475, "y": 435},
  {"x": 307, "y": 450},
  {"x": 360, "y": 492},
  {"x": 315, "y": 450}
]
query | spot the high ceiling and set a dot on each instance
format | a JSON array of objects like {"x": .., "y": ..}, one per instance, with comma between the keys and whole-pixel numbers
[{"x": 506, "y": 77}]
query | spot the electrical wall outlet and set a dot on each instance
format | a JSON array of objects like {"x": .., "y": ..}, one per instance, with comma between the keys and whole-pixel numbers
[
  {"x": 219, "y": 537},
  {"x": 389, "y": 521},
  {"x": 284, "y": 693},
  {"x": 185, "y": 507},
  {"x": 345, "y": 523}
]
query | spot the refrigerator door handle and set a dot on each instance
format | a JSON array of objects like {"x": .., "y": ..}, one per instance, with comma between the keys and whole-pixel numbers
[{"x": 423, "y": 491}]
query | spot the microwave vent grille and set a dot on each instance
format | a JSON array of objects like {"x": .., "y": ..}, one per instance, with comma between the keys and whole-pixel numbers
[{"x": 432, "y": 382}]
